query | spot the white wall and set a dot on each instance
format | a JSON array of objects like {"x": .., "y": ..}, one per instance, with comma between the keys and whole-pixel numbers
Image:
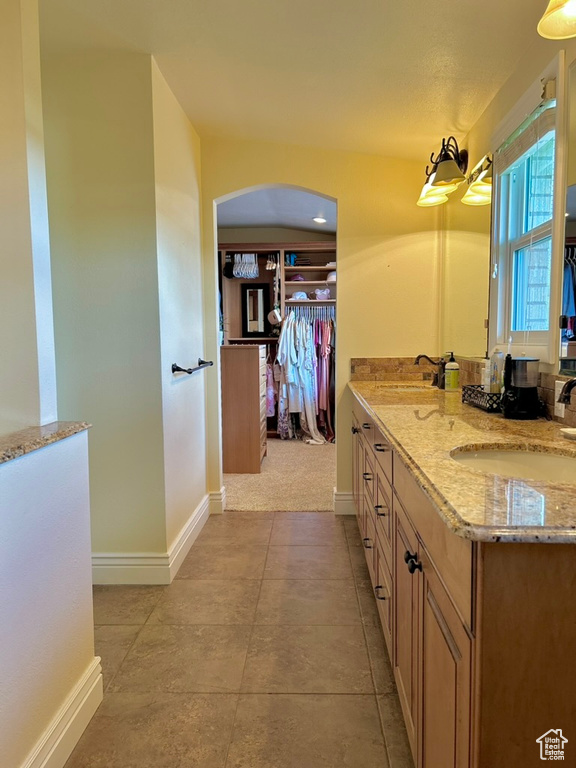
[
  {"x": 27, "y": 378},
  {"x": 177, "y": 179},
  {"x": 46, "y": 631}
]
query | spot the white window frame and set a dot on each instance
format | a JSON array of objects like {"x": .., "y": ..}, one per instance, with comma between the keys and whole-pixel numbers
[{"x": 544, "y": 345}]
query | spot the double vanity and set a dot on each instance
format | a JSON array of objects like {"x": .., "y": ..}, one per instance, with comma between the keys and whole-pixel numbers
[{"x": 474, "y": 572}]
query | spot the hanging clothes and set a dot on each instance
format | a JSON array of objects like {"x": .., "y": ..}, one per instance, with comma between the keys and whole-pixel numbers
[{"x": 305, "y": 358}]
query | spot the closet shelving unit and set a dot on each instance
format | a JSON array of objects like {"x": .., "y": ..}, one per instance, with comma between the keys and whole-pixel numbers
[{"x": 319, "y": 253}]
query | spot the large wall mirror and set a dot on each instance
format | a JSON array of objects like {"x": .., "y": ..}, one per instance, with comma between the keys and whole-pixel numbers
[{"x": 255, "y": 309}]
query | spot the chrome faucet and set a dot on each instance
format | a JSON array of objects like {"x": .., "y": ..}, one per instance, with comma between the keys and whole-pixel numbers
[
  {"x": 440, "y": 377},
  {"x": 564, "y": 396}
]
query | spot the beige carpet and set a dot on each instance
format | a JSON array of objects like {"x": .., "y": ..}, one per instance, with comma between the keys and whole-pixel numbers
[{"x": 295, "y": 477}]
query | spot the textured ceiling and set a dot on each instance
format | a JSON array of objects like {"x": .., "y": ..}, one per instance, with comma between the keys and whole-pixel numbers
[
  {"x": 373, "y": 76},
  {"x": 278, "y": 207}
]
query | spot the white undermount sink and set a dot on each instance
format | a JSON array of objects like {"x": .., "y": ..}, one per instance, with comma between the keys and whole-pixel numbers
[{"x": 550, "y": 467}]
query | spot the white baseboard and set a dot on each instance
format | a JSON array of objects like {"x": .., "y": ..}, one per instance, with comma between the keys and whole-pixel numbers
[
  {"x": 57, "y": 742},
  {"x": 150, "y": 567},
  {"x": 344, "y": 503},
  {"x": 218, "y": 501}
]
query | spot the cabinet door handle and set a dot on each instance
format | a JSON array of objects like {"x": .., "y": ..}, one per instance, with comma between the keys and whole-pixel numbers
[
  {"x": 355, "y": 430},
  {"x": 367, "y": 476},
  {"x": 366, "y": 546},
  {"x": 414, "y": 566},
  {"x": 379, "y": 586},
  {"x": 377, "y": 507},
  {"x": 366, "y": 426},
  {"x": 381, "y": 447},
  {"x": 408, "y": 556}
]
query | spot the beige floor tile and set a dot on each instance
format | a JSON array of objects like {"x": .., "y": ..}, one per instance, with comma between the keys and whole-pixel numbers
[
  {"x": 358, "y": 561},
  {"x": 395, "y": 736},
  {"x": 292, "y": 731},
  {"x": 207, "y": 602},
  {"x": 186, "y": 659},
  {"x": 329, "y": 602},
  {"x": 323, "y": 517},
  {"x": 223, "y": 529},
  {"x": 352, "y": 531},
  {"x": 316, "y": 532},
  {"x": 157, "y": 731},
  {"x": 299, "y": 562},
  {"x": 288, "y": 659},
  {"x": 379, "y": 661},
  {"x": 367, "y": 600},
  {"x": 224, "y": 561},
  {"x": 112, "y": 642},
  {"x": 235, "y": 514},
  {"x": 124, "y": 604}
]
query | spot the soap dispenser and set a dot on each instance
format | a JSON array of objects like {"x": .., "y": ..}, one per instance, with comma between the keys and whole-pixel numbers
[{"x": 452, "y": 374}]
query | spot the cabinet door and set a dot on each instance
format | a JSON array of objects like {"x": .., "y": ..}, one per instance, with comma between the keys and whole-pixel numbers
[
  {"x": 406, "y": 621},
  {"x": 357, "y": 463},
  {"x": 446, "y": 678},
  {"x": 383, "y": 594}
]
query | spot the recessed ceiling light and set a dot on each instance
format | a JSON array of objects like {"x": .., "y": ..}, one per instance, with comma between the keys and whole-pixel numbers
[{"x": 319, "y": 219}]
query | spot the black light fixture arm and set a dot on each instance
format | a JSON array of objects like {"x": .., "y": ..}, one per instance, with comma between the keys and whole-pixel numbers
[
  {"x": 450, "y": 151},
  {"x": 201, "y": 364}
]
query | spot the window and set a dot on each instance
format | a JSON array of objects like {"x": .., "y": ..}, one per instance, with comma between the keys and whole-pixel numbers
[{"x": 522, "y": 312}]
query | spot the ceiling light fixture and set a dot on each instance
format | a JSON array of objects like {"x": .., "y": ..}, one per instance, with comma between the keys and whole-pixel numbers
[
  {"x": 559, "y": 20},
  {"x": 319, "y": 220},
  {"x": 479, "y": 182}
]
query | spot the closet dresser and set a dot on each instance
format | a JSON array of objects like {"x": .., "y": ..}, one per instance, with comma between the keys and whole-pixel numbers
[{"x": 244, "y": 442}]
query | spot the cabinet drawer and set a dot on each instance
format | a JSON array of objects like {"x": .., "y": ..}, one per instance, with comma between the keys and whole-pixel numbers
[
  {"x": 383, "y": 593},
  {"x": 383, "y": 509},
  {"x": 383, "y": 454},
  {"x": 451, "y": 555},
  {"x": 369, "y": 541},
  {"x": 368, "y": 475}
]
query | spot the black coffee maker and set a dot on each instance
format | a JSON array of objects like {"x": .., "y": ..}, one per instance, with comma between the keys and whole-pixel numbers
[{"x": 520, "y": 398}]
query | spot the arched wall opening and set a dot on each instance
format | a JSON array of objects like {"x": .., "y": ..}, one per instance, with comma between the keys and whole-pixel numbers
[{"x": 277, "y": 222}]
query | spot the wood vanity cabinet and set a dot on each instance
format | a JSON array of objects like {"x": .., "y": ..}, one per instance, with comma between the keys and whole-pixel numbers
[
  {"x": 244, "y": 436},
  {"x": 481, "y": 636}
]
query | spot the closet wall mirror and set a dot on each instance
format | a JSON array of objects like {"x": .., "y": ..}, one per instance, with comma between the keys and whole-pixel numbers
[
  {"x": 568, "y": 334},
  {"x": 255, "y": 308}
]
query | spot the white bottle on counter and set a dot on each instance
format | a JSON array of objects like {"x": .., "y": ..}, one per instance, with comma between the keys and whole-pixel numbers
[
  {"x": 452, "y": 374},
  {"x": 496, "y": 370},
  {"x": 486, "y": 376}
]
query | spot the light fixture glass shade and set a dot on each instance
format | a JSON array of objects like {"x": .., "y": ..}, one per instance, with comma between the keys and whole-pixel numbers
[
  {"x": 447, "y": 174},
  {"x": 559, "y": 20},
  {"x": 475, "y": 197},
  {"x": 431, "y": 196},
  {"x": 445, "y": 189}
]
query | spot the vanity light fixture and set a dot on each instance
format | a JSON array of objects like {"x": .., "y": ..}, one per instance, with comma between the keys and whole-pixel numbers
[
  {"x": 479, "y": 182},
  {"x": 432, "y": 194},
  {"x": 450, "y": 165},
  {"x": 559, "y": 20},
  {"x": 319, "y": 220}
]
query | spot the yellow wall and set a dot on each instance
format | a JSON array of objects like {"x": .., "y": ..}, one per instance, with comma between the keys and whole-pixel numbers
[
  {"x": 388, "y": 289},
  {"x": 177, "y": 180},
  {"x": 27, "y": 377},
  {"x": 269, "y": 235},
  {"x": 100, "y": 169}
]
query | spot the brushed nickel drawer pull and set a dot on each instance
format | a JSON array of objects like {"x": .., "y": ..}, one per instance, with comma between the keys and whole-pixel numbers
[
  {"x": 379, "y": 586},
  {"x": 382, "y": 447},
  {"x": 366, "y": 546}
]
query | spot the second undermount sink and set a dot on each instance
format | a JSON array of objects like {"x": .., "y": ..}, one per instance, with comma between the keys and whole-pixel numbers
[{"x": 531, "y": 464}]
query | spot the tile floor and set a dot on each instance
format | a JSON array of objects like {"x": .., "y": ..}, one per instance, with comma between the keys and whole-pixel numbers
[{"x": 264, "y": 652}]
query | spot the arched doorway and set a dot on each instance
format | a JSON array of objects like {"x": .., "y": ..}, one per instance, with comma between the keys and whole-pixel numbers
[{"x": 277, "y": 298}]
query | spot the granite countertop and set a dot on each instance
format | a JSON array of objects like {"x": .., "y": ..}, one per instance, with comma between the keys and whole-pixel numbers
[
  {"x": 425, "y": 425},
  {"x": 31, "y": 439}
]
